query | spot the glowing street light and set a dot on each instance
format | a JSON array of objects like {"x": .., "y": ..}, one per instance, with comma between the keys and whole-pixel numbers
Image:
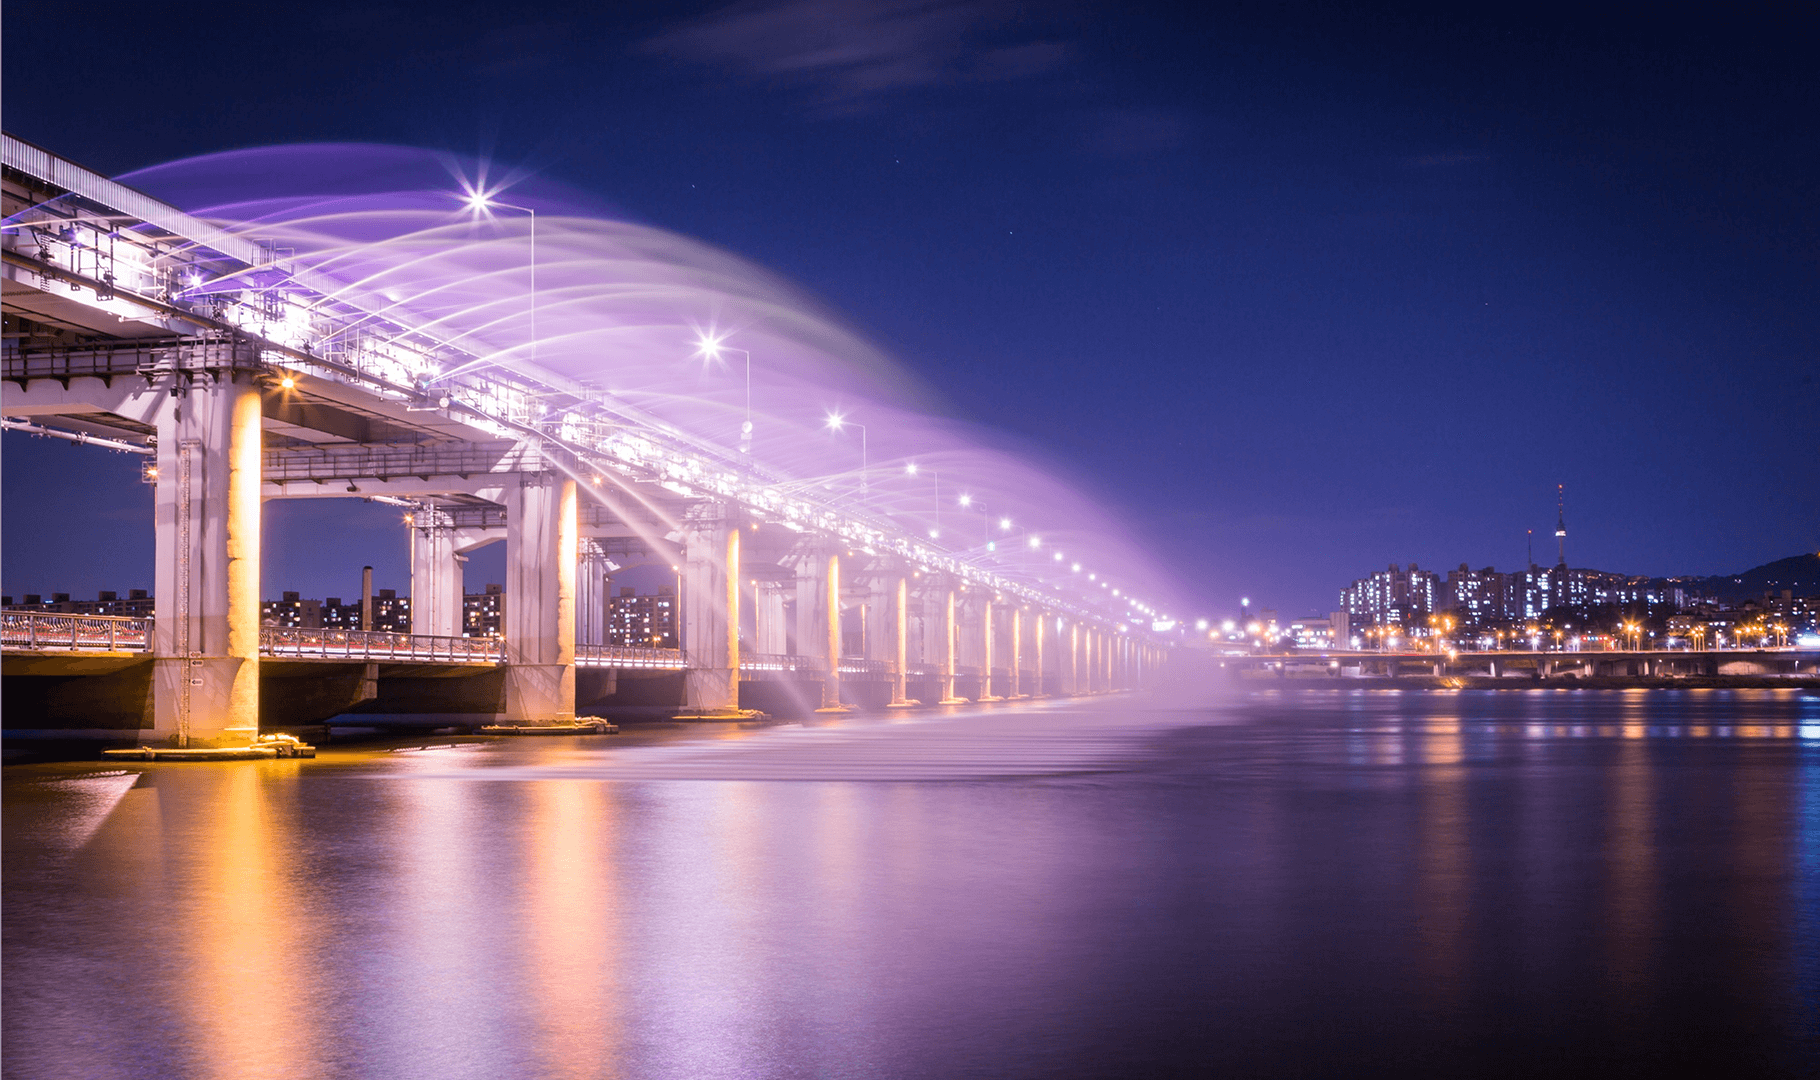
[
  {"x": 911, "y": 469},
  {"x": 837, "y": 423},
  {"x": 709, "y": 347},
  {"x": 481, "y": 203}
]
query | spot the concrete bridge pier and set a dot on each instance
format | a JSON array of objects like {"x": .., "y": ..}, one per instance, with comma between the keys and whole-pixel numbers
[
  {"x": 771, "y": 631},
  {"x": 1075, "y": 664},
  {"x": 592, "y": 583},
  {"x": 710, "y": 610},
  {"x": 818, "y": 619},
  {"x": 1038, "y": 623},
  {"x": 543, "y": 542},
  {"x": 1089, "y": 673},
  {"x": 1014, "y": 687},
  {"x": 208, "y": 515},
  {"x": 1077, "y": 659},
  {"x": 983, "y": 617},
  {"x": 435, "y": 575},
  {"x": 942, "y": 636},
  {"x": 889, "y": 610}
]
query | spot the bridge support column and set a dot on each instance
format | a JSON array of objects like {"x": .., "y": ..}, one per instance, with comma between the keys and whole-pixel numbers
[
  {"x": 542, "y": 541},
  {"x": 1038, "y": 625},
  {"x": 939, "y": 634},
  {"x": 831, "y": 679},
  {"x": 711, "y": 610},
  {"x": 1071, "y": 667},
  {"x": 818, "y": 620},
  {"x": 897, "y": 588},
  {"x": 435, "y": 575},
  {"x": 769, "y": 629},
  {"x": 1091, "y": 652},
  {"x": 591, "y": 590},
  {"x": 206, "y": 637},
  {"x": 985, "y": 653},
  {"x": 1014, "y": 687}
]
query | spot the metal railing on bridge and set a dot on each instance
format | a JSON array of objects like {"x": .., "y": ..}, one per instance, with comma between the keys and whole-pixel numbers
[
  {"x": 853, "y": 665},
  {"x": 308, "y": 643},
  {"x": 645, "y": 657},
  {"x": 776, "y": 664},
  {"x": 779, "y": 664},
  {"x": 48, "y": 630}
]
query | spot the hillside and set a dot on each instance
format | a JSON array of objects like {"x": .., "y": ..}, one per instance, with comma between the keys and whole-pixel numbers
[{"x": 1798, "y": 572}]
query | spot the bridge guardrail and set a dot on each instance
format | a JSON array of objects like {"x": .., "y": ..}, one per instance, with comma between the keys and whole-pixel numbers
[
  {"x": 312, "y": 643},
  {"x": 50, "y": 630},
  {"x": 852, "y": 665},
  {"x": 780, "y": 662},
  {"x": 629, "y": 656}
]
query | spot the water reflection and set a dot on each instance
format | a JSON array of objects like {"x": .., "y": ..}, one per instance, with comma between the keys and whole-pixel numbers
[
  {"x": 1631, "y": 884},
  {"x": 565, "y": 917},
  {"x": 1279, "y": 886},
  {"x": 247, "y": 933}
]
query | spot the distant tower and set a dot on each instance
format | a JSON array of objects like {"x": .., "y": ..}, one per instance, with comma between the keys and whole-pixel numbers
[{"x": 1561, "y": 525}]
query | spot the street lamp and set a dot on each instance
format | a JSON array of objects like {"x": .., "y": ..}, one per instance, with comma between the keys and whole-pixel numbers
[
  {"x": 709, "y": 348},
  {"x": 837, "y": 422},
  {"x": 968, "y": 502},
  {"x": 480, "y": 203},
  {"x": 911, "y": 470}
]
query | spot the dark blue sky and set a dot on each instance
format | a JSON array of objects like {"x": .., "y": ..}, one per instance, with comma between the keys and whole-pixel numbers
[{"x": 1303, "y": 289}]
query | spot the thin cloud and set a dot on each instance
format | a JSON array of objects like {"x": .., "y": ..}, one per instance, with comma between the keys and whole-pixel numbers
[{"x": 857, "y": 49}]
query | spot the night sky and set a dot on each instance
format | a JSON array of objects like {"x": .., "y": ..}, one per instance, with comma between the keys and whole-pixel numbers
[{"x": 1301, "y": 290}]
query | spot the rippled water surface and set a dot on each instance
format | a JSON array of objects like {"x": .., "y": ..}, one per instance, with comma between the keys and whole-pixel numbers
[{"x": 1338, "y": 884}]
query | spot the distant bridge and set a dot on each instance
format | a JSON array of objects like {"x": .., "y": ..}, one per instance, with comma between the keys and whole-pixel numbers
[{"x": 1791, "y": 661}]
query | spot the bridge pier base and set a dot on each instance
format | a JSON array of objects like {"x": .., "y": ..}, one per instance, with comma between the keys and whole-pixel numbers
[{"x": 206, "y": 642}]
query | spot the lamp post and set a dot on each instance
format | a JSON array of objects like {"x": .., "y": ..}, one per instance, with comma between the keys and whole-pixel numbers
[
  {"x": 709, "y": 347},
  {"x": 968, "y": 502},
  {"x": 481, "y": 202},
  {"x": 912, "y": 470},
  {"x": 836, "y": 423}
]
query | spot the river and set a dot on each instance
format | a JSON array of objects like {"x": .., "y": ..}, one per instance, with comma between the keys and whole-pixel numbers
[{"x": 1323, "y": 883}]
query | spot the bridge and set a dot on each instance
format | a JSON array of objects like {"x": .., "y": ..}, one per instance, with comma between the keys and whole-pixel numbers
[
  {"x": 244, "y": 372},
  {"x": 1540, "y": 665}
]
